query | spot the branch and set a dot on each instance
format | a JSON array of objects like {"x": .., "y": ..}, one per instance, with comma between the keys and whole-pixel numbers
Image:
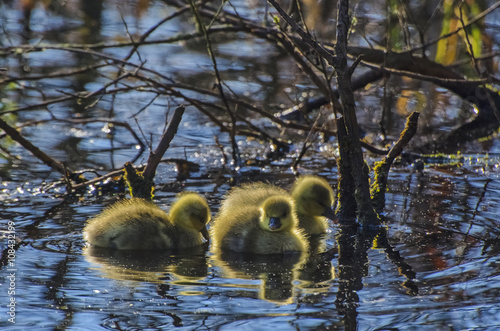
[
  {"x": 381, "y": 168},
  {"x": 218, "y": 83},
  {"x": 141, "y": 184},
  {"x": 306, "y": 38},
  {"x": 15, "y": 135},
  {"x": 155, "y": 157},
  {"x": 366, "y": 213}
]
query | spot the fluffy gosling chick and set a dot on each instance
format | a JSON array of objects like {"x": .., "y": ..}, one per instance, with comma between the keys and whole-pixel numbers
[
  {"x": 257, "y": 219},
  {"x": 136, "y": 224},
  {"x": 314, "y": 198}
]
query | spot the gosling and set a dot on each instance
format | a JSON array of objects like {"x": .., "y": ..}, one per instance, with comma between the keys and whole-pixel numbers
[
  {"x": 258, "y": 219},
  {"x": 314, "y": 199},
  {"x": 136, "y": 224}
]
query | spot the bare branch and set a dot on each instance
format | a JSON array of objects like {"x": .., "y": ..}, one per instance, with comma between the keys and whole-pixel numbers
[
  {"x": 155, "y": 157},
  {"x": 16, "y": 136}
]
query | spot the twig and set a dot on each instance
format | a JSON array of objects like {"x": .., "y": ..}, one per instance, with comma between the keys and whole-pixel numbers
[
  {"x": 472, "y": 21},
  {"x": 381, "y": 168},
  {"x": 15, "y": 135},
  {"x": 293, "y": 50},
  {"x": 68, "y": 98},
  {"x": 146, "y": 106},
  {"x": 57, "y": 74},
  {"x": 155, "y": 157},
  {"x": 4, "y": 51},
  {"x": 218, "y": 83},
  {"x": 224, "y": 156},
  {"x": 468, "y": 42},
  {"x": 98, "y": 179},
  {"x": 305, "y": 146},
  {"x": 305, "y": 37},
  {"x": 87, "y": 121}
]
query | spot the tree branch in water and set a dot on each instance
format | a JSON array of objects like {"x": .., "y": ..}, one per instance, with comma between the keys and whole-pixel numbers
[
  {"x": 382, "y": 168},
  {"x": 141, "y": 184}
]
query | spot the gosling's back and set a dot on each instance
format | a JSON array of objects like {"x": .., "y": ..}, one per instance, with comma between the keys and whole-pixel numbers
[{"x": 250, "y": 194}]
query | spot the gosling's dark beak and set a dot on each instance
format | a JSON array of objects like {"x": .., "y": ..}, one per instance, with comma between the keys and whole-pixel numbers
[
  {"x": 329, "y": 213},
  {"x": 204, "y": 233},
  {"x": 274, "y": 223}
]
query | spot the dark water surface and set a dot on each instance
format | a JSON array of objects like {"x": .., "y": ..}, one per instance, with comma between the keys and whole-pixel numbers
[{"x": 435, "y": 264}]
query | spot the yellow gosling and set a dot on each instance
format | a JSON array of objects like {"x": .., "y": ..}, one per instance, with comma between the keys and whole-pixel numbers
[
  {"x": 258, "y": 219},
  {"x": 314, "y": 198},
  {"x": 136, "y": 224}
]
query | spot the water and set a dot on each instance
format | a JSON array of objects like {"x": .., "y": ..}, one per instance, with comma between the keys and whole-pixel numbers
[
  {"x": 61, "y": 283},
  {"x": 433, "y": 265}
]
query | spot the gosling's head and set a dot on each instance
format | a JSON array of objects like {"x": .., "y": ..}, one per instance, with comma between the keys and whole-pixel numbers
[
  {"x": 278, "y": 214},
  {"x": 314, "y": 196},
  {"x": 191, "y": 210}
]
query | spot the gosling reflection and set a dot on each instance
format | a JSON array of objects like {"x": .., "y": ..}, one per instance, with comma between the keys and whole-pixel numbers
[
  {"x": 184, "y": 267},
  {"x": 284, "y": 278},
  {"x": 277, "y": 273},
  {"x": 316, "y": 273}
]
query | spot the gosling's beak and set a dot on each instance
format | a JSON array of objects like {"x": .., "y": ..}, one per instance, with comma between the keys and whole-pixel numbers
[
  {"x": 274, "y": 223},
  {"x": 329, "y": 213},
  {"x": 204, "y": 232}
]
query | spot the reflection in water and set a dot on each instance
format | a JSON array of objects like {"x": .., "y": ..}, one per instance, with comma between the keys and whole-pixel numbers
[
  {"x": 354, "y": 244},
  {"x": 277, "y": 272},
  {"x": 185, "y": 267},
  {"x": 282, "y": 276},
  {"x": 317, "y": 271},
  {"x": 404, "y": 269}
]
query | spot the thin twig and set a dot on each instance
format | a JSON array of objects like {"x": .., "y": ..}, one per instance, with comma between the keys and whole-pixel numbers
[
  {"x": 305, "y": 37},
  {"x": 218, "y": 83},
  {"x": 16, "y": 136},
  {"x": 468, "y": 42},
  {"x": 472, "y": 21},
  {"x": 155, "y": 157},
  {"x": 87, "y": 121},
  {"x": 305, "y": 145}
]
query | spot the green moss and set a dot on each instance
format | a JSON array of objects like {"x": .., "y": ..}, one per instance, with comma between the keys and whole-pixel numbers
[{"x": 379, "y": 179}]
